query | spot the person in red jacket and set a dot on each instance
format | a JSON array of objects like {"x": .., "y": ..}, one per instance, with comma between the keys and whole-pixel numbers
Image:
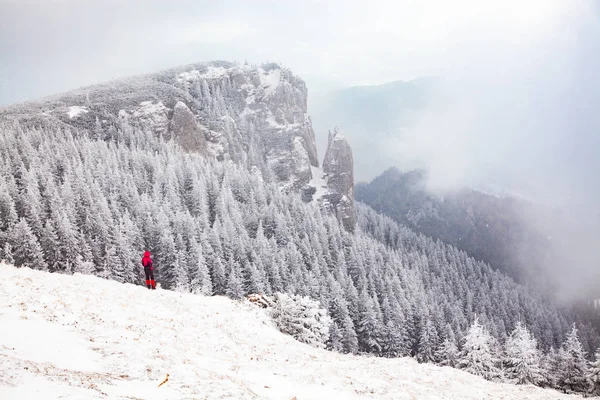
[{"x": 149, "y": 270}]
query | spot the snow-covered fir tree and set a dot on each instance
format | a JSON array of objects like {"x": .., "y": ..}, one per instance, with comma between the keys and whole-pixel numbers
[
  {"x": 522, "y": 357},
  {"x": 447, "y": 353},
  {"x": 551, "y": 368},
  {"x": 26, "y": 250},
  {"x": 594, "y": 374},
  {"x": 302, "y": 318},
  {"x": 428, "y": 342},
  {"x": 573, "y": 369},
  {"x": 479, "y": 354}
]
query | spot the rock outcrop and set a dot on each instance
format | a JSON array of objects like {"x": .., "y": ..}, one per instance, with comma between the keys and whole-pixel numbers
[
  {"x": 338, "y": 170},
  {"x": 184, "y": 129}
]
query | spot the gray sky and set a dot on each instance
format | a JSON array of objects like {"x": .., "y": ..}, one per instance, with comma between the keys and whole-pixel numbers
[{"x": 55, "y": 45}]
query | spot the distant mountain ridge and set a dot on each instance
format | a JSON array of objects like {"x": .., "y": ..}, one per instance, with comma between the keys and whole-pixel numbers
[{"x": 487, "y": 227}]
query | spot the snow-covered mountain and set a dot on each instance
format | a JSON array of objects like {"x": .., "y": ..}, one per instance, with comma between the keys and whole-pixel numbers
[
  {"x": 255, "y": 116},
  {"x": 74, "y": 337}
]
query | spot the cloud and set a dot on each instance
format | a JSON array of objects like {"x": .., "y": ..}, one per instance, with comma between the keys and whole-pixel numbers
[
  {"x": 524, "y": 109},
  {"x": 354, "y": 41},
  {"x": 204, "y": 32}
]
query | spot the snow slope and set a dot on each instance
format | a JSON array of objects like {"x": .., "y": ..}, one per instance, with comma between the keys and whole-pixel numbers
[
  {"x": 319, "y": 182},
  {"x": 76, "y": 337}
]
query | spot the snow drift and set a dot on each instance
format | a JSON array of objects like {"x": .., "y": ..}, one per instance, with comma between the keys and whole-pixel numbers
[{"x": 84, "y": 337}]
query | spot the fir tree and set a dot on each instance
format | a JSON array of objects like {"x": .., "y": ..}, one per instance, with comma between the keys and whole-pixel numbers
[
  {"x": 551, "y": 368},
  {"x": 335, "y": 339},
  {"x": 200, "y": 277},
  {"x": 477, "y": 356},
  {"x": 522, "y": 357},
  {"x": 427, "y": 342},
  {"x": 447, "y": 354},
  {"x": 573, "y": 369},
  {"x": 234, "y": 286},
  {"x": 7, "y": 254},
  {"x": 50, "y": 246},
  {"x": 394, "y": 341},
  {"x": 26, "y": 250},
  {"x": 368, "y": 330},
  {"x": 8, "y": 213},
  {"x": 594, "y": 374}
]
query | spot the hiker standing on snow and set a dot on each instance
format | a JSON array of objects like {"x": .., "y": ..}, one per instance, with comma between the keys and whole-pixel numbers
[{"x": 149, "y": 270}]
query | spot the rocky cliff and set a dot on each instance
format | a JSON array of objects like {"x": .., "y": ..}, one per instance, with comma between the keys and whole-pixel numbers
[
  {"x": 338, "y": 168},
  {"x": 255, "y": 116}
]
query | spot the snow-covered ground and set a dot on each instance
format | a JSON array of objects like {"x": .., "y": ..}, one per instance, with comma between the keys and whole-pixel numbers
[
  {"x": 75, "y": 111},
  {"x": 194, "y": 75},
  {"x": 319, "y": 182},
  {"x": 81, "y": 337},
  {"x": 153, "y": 116}
]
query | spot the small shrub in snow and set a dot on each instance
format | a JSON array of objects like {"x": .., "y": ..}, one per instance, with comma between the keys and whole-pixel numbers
[{"x": 302, "y": 318}]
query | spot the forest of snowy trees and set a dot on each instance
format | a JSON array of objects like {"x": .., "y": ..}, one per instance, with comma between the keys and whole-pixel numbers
[
  {"x": 489, "y": 228},
  {"x": 74, "y": 203}
]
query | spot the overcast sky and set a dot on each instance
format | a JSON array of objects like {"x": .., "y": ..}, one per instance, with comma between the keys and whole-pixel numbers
[{"x": 55, "y": 45}]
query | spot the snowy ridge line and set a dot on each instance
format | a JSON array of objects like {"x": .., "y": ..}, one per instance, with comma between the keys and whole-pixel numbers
[{"x": 211, "y": 347}]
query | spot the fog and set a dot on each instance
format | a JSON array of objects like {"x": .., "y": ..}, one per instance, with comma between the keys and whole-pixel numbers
[
  {"x": 524, "y": 120},
  {"x": 518, "y": 108},
  {"x": 50, "y": 45}
]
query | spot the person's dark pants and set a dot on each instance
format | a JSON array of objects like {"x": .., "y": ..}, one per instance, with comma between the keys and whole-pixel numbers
[{"x": 150, "y": 284}]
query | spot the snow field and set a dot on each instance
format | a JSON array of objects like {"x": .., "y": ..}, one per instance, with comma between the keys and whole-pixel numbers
[
  {"x": 75, "y": 111},
  {"x": 83, "y": 337},
  {"x": 319, "y": 182}
]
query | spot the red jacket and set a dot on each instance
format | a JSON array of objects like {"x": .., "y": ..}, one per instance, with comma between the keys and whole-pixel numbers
[{"x": 147, "y": 261}]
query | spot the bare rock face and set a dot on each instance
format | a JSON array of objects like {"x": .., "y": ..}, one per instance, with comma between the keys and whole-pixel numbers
[
  {"x": 338, "y": 170},
  {"x": 184, "y": 129},
  {"x": 253, "y": 115}
]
